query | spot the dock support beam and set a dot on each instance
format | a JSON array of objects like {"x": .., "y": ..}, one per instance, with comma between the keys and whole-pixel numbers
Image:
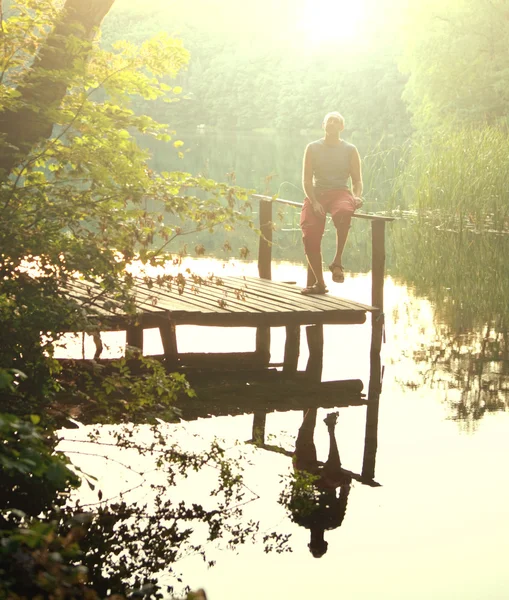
[
  {"x": 377, "y": 285},
  {"x": 265, "y": 245},
  {"x": 314, "y": 334},
  {"x": 264, "y": 271},
  {"x": 134, "y": 337},
  {"x": 292, "y": 349},
  {"x": 168, "y": 332}
]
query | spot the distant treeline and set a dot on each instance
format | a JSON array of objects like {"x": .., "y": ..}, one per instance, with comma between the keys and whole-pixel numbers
[{"x": 235, "y": 83}]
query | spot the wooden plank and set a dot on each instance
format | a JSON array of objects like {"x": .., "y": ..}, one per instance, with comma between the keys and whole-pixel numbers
[
  {"x": 271, "y": 295},
  {"x": 87, "y": 288},
  {"x": 299, "y": 205},
  {"x": 269, "y": 319},
  {"x": 292, "y": 293},
  {"x": 282, "y": 395},
  {"x": 189, "y": 301},
  {"x": 234, "y": 296},
  {"x": 220, "y": 360}
]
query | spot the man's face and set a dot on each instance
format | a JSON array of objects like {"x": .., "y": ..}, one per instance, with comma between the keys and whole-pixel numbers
[{"x": 333, "y": 124}]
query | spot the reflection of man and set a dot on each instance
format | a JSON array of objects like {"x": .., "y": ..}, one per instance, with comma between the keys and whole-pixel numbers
[
  {"x": 329, "y": 164},
  {"x": 327, "y": 510}
]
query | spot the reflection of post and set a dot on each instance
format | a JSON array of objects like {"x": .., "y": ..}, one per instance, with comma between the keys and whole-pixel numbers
[
  {"x": 375, "y": 388},
  {"x": 377, "y": 328},
  {"x": 314, "y": 334},
  {"x": 259, "y": 420},
  {"x": 264, "y": 271}
]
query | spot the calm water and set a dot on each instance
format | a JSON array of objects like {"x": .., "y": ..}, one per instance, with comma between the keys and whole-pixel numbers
[{"x": 438, "y": 525}]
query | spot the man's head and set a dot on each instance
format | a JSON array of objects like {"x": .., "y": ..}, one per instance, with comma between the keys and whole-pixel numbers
[
  {"x": 333, "y": 123},
  {"x": 318, "y": 548}
]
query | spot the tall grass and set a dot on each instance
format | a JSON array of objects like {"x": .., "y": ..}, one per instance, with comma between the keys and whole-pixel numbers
[{"x": 458, "y": 176}]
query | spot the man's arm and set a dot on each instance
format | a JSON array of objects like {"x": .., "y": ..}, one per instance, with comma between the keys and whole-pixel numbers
[
  {"x": 356, "y": 174},
  {"x": 307, "y": 182}
]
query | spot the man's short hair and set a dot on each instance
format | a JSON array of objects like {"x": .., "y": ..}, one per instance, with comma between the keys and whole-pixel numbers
[{"x": 335, "y": 113}]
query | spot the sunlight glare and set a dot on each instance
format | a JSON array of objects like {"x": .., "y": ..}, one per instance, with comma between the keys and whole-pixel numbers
[{"x": 329, "y": 21}]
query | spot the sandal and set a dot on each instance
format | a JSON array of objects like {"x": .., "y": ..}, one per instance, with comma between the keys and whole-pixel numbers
[
  {"x": 338, "y": 275},
  {"x": 314, "y": 290}
]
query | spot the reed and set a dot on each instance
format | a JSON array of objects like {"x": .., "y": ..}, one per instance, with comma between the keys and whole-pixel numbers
[{"x": 459, "y": 178}]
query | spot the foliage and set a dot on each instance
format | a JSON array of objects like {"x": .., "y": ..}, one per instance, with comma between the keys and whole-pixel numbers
[
  {"x": 84, "y": 202},
  {"x": 78, "y": 547},
  {"x": 457, "y": 56},
  {"x": 300, "y": 494},
  {"x": 131, "y": 389},
  {"x": 32, "y": 474}
]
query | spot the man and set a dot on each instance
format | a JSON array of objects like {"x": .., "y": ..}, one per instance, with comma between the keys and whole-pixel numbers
[{"x": 329, "y": 164}]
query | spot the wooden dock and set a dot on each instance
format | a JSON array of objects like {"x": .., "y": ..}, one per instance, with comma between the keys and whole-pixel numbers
[
  {"x": 166, "y": 302},
  {"x": 219, "y": 302}
]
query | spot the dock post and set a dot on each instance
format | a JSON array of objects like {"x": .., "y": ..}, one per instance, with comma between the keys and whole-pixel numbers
[
  {"x": 134, "y": 336},
  {"x": 314, "y": 334},
  {"x": 377, "y": 282},
  {"x": 292, "y": 349},
  {"x": 264, "y": 271},
  {"x": 265, "y": 245},
  {"x": 168, "y": 332}
]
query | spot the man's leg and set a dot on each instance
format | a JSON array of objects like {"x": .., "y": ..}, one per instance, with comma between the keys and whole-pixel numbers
[
  {"x": 305, "y": 450},
  {"x": 342, "y": 229},
  {"x": 315, "y": 269},
  {"x": 332, "y": 468},
  {"x": 313, "y": 226}
]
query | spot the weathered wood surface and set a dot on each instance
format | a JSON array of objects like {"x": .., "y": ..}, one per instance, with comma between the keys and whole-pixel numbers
[
  {"x": 223, "y": 302},
  {"x": 358, "y": 215},
  {"x": 271, "y": 394}
]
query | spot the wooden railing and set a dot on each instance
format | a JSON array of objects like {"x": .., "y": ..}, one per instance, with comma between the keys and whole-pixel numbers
[{"x": 377, "y": 248}]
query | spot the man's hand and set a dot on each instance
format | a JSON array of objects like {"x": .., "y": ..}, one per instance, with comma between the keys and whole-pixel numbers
[
  {"x": 358, "y": 202},
  {"x": 317, "y": 208}
]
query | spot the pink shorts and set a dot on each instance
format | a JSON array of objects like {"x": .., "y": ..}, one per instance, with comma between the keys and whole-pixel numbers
[{"x": 339, "y": 203}]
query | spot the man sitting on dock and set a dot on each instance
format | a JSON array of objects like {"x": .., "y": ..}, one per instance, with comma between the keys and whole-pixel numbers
[{"x": 329, "y": 164}]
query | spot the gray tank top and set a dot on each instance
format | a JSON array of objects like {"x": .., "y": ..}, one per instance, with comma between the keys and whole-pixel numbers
[{"x": 331, "y": 165}]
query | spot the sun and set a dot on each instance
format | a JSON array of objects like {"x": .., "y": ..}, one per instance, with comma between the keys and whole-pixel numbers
[{"x": 332, "y": 21}]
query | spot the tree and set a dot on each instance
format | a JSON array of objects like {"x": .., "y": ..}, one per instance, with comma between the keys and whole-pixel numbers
[
  {"x": 38, "y": 92},
  {"x": 73, "y": 203},
  {"x": 457, "y": 62},
  {"x": 75, "y": 199}
]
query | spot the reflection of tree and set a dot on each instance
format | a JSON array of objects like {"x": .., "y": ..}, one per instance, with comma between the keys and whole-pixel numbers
[
  {"x": 466, "y": 278},
  {"x": 477, "y": 367}
]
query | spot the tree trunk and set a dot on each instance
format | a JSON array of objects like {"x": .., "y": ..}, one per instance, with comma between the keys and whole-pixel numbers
[{"x": 24, "y": 128}]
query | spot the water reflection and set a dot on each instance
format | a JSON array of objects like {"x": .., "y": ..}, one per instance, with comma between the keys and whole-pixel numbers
[
  {"x": 325, "y": 509},
  {"x": 466, "y": 278}
]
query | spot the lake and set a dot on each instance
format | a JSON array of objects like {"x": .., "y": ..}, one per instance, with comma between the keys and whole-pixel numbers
[{"x": 437, "y": 526}]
